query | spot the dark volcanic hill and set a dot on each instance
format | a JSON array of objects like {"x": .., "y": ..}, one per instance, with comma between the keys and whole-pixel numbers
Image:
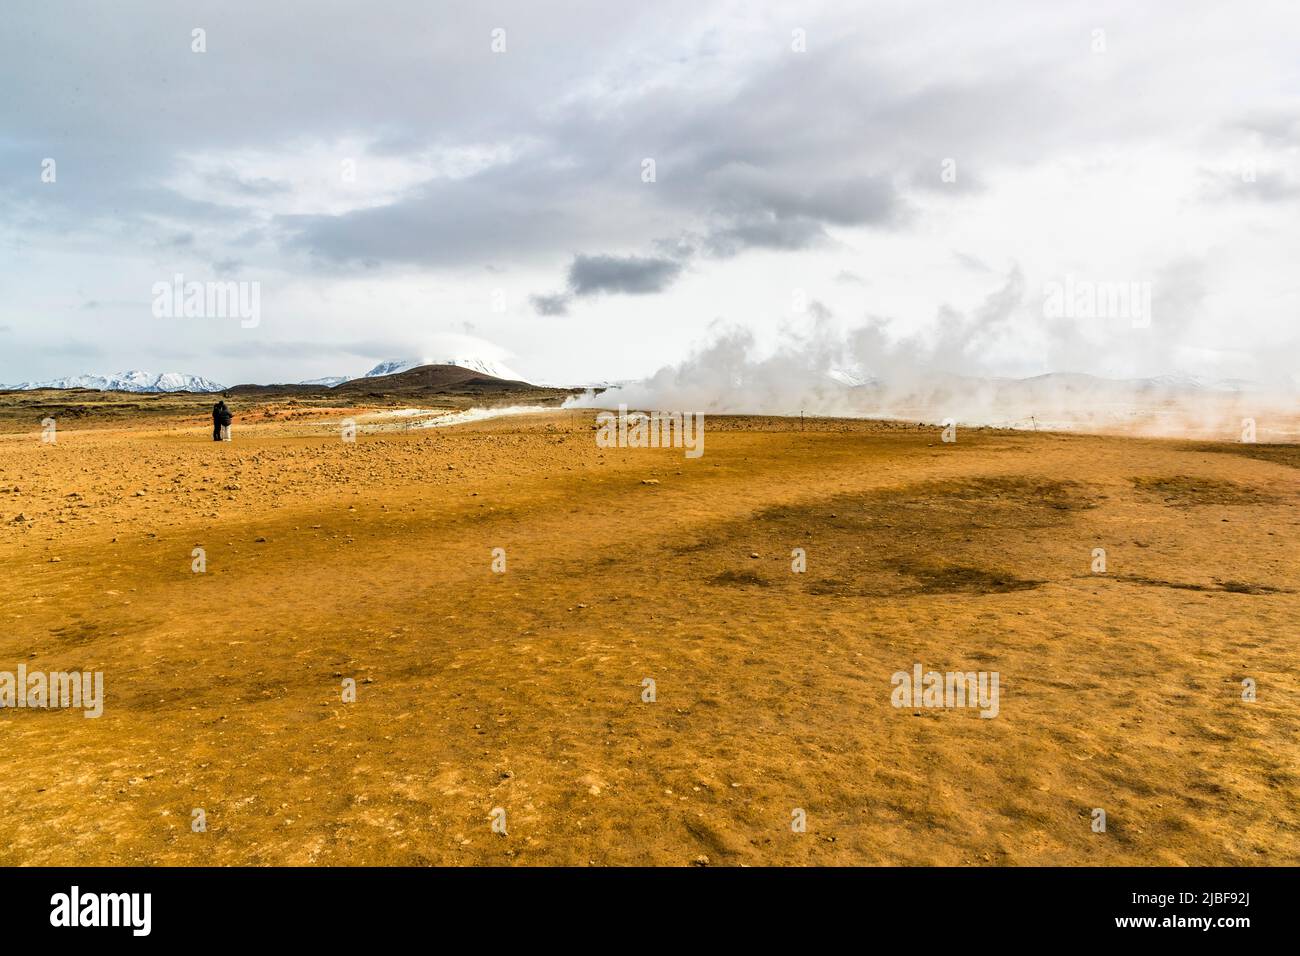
[
  {"x": 450, "y": 381},
  {"x": 432, "y": 380}
]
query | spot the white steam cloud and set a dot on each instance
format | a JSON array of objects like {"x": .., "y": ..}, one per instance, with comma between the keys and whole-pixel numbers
[{"x": 950, "y": 372}]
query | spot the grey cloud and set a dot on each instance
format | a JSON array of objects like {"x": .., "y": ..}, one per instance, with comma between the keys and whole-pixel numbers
[
  {"x": 629, "y": 275},
  {"x": 863, "y": 200},
  {"x": 450, "y": 223},
  {"x": 797, "y": 146},
  {"x": 556, "y": 304},
  {"x": 683, "y": 247},
  {"x": 788, "y": 147},
  {"x": 591, "y": 275},
  {"x": 764, "y": 233}
]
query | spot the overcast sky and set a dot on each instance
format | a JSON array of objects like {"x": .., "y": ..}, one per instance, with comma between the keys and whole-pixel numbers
[{"x": 398, "y": 187}]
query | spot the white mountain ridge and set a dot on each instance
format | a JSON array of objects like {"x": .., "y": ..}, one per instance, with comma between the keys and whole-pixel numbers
[
  {"x": 473, "y": 362},
  {"x": 139, "y": 381},
  {"x": 132, "y": 381},
  {"x": 329, "y": 381}
]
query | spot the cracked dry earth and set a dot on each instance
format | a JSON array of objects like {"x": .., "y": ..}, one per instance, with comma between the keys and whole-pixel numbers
[{"x": 523, "y": 690}]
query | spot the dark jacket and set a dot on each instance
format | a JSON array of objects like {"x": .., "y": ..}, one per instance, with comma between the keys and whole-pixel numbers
[{"x": 221, "y": 414}]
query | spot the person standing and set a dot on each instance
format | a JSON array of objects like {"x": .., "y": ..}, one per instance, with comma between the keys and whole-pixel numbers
[
  {"x": 226, "y": 419},
  {"x": 221, "y": 419}
]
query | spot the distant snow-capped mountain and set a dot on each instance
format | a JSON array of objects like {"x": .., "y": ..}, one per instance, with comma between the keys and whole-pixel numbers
[
  {"x": 133, "y": 381},
  {"x": 486, "y": 366},
  {"x": 1172, "y": 382},
  {"x": 1196, "y": 383},
  {"x": 854, "y": 376},
  {"x": 329, "y": 381},
  {"x": 395, "y": 366}
]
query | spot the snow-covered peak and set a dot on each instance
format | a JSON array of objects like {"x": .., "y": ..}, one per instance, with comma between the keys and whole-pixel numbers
[
  {"x": 474, "y": 363},
  {"x": 176, "y": 382},
  {"x": 132, "y": 381},
  {"x": 329, "y": 381},
  {"x": 852, "y": 375},
  {"x": 393, "y": 367},
  {"x": 1181, "y": 381}
]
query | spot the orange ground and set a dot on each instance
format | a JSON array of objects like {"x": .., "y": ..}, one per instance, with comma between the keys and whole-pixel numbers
[{"x": 523, "y": 690}]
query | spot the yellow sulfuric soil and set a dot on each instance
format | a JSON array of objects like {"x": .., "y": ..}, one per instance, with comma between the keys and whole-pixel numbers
[{"x": 523, "y": 690}]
